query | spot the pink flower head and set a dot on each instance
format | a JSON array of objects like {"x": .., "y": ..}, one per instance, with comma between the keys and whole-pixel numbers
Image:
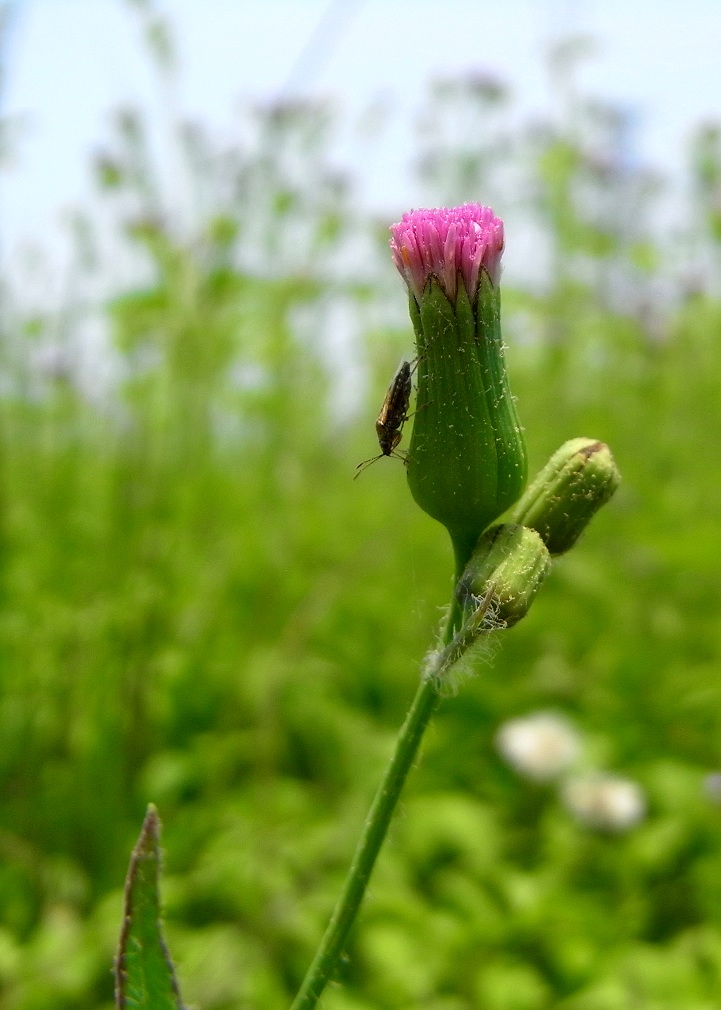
[{"x": 444, "y": 243}]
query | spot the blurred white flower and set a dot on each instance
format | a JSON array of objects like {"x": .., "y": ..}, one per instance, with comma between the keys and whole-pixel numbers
[
  {"x": 540, "y": 746},
  {"x": 712, "y": 787},
  {"x": 605, "y": 801}
]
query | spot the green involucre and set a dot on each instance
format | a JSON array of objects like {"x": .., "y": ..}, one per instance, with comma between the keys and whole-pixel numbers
[{"x": 467, "y": 458}]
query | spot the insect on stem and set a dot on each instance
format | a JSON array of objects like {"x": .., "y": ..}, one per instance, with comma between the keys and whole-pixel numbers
[{"x": 393, "y": 415}]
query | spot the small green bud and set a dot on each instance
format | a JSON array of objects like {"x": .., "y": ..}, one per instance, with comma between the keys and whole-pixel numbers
[
  {"x": 510, "y": 562},
  {"x": 577, "y": 480},
  {"x": 467, "y": 458}
]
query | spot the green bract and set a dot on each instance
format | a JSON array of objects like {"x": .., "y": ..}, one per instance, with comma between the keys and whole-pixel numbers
[{"x": 467, "y": 458}]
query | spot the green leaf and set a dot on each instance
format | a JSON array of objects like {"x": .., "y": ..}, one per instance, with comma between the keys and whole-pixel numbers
[{"x": 144, "y": 977}]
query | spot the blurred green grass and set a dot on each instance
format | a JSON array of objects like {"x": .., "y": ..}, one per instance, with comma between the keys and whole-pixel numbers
[{"x": 200, "y": 608}]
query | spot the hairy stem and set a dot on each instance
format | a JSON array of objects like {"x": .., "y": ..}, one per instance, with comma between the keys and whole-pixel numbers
[{"x": 374, "y": 833}]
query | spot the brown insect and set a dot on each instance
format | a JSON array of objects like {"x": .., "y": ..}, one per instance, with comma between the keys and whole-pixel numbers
[{"x": 393, "y": 415}]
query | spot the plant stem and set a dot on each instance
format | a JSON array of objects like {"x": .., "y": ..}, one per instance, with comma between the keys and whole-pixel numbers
[{"x": 374, "y": 832}]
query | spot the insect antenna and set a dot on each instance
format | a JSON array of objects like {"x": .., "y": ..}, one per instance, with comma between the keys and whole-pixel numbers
[
  {"x": 366, "y": 463},
  {"x": 396, "y": 454}
]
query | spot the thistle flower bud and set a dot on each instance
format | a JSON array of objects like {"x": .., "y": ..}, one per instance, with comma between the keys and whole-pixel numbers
[
  {"x": 577, "y": 480},
  {"x": 513, "y": 561},
  {"x": 467, "y": 459}
]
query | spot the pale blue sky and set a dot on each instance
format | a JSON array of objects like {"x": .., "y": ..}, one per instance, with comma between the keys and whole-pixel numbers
[{"x": 68, "y": 62}]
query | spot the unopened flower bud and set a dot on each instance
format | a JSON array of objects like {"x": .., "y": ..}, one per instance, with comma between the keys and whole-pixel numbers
[
  {"x": 512, "y": 562},
  {"x": 577, "y": 480},
  {"x": 467, "y": 459}
]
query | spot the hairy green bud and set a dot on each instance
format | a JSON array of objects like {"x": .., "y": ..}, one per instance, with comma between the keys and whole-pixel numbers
[
  {"x": 510, "y": 563},
  {"x": 577, "y": 480}
]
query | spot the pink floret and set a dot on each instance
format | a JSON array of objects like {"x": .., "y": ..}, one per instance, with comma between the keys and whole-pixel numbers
[{"x": 444, "y": 243}]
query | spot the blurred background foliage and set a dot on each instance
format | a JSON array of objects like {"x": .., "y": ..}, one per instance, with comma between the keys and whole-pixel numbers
[{"x": 199, "y": 607}]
